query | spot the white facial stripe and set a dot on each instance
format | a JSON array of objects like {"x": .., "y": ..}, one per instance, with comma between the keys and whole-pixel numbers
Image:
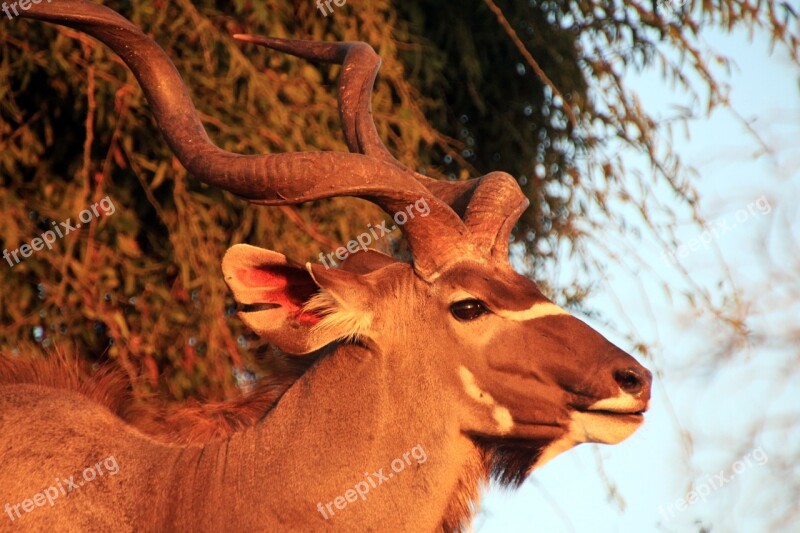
[
  {"x": 500, "y": 414},
  {"x": 538, "y": 310}
]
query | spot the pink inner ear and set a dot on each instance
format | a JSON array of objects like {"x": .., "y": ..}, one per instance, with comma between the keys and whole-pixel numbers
[{"x": 287, "y": 287}]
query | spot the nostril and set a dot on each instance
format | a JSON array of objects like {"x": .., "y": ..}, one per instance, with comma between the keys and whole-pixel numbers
[{"x": 629, "y": 380}]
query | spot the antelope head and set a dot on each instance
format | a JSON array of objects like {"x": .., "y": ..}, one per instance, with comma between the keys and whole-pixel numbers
[{"x": 521, "y": 372}]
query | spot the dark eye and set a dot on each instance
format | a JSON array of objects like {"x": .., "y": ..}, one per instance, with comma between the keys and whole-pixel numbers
[{"x": 468, "y": 309}]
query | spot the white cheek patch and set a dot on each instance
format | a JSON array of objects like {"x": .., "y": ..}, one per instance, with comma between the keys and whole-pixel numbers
[
  {"x": 472, "y": 389},
  {"x": 538, "y": 310},
  {"x": 503, "y": 418},
  {"x": 500, "y": 414}
]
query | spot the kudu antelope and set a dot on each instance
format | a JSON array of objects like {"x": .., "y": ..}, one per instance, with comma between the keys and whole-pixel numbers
[{"x": 453, "y": 352}]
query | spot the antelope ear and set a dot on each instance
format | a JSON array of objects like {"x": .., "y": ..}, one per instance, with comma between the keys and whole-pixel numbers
[{"x": 283, "y": 302}]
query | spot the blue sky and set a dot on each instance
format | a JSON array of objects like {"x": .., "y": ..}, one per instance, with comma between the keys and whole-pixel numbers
[{"x": 718, "y": 406}]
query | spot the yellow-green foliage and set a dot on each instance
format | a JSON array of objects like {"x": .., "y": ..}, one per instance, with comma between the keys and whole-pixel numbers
[{"x": 143, "y": 286}]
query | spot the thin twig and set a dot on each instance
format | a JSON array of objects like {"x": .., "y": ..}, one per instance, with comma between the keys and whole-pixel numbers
[{"x": 501, "y": 18}]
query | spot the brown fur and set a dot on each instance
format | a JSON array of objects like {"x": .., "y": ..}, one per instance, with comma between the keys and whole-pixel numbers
[
  {"x": 108, "y": 386},
  {"x": 195, "y": 422},
  {"x": 192, "y": 422},
  {"x": 464, "y": 499}
]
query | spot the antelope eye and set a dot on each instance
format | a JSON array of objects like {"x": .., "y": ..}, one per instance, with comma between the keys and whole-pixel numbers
[{"x": 468, "y": 309}]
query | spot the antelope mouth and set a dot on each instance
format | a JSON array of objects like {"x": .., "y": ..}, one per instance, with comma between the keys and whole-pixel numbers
[
  {"x": 622, "y": 407},
  {"x": 633, "y": 417},
  {"x": 609, "y": 421},
  {"x": 635, "y": 414}
]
